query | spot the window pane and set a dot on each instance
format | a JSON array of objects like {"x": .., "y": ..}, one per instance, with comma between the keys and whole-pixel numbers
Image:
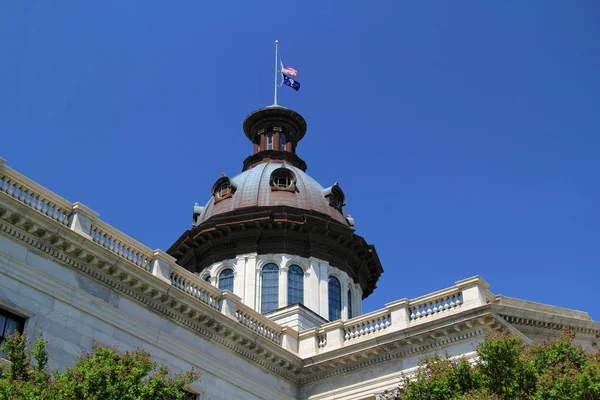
[
  {"x": 226, "y": 279},
  {"x": 295, "y": 285},
  {"x": 269, "y": 141},
  {"x": 11, "y": 327},
  {"x": 270, "y": 288},
  {"x": 335, "y": 299},
  {"x": 2, "y": 322},
  {"x": 282, "y": 141},
  {"x": 349, "y": 304}
]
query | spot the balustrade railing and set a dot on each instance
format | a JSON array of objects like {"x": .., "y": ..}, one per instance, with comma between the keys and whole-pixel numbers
[
  {"x": 368, "y": 324},
  {"x": 395, "y": 316},
  {"x": 437, "y": 303},
  {"x": 194, "y": 286},
  {"x": 121, "y": 244},
  {"x": 34, "y": 195},
  {"x": 258, "y": 323}
]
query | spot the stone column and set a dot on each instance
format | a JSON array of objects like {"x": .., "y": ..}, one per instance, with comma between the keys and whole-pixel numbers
[
  {"x": 81, "y": 219},
  {"x": 249, "y": 265},
  {"x": 283, "y": 286},
  {"x": 322, "y": 269}
]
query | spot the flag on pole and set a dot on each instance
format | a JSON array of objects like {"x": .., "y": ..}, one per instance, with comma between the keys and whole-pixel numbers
[
  {"x": 286, "y": 69},
  {"x": 294, "y": 84}
]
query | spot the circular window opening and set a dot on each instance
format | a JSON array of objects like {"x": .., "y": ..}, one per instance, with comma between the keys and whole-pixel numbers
[
  {"x": 283, "y": 179},
  {"x": 224, "y": 190}
]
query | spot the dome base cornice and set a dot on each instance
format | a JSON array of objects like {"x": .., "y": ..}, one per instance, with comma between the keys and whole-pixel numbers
[{"x": 289, "y": 230}]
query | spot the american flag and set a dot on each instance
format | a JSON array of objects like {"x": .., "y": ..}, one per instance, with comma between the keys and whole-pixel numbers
[{"x": 286, "y": 69}]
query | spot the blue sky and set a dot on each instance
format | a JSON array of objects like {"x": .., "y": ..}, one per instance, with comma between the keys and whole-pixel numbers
[{"x": 464, "y": 134}]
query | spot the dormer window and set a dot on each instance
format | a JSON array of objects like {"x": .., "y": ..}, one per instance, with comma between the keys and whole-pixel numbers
[
  {"x": 283, "y": 179},
  {"x": 336, "y": 197},
  {"x": 223, "y": 189}
]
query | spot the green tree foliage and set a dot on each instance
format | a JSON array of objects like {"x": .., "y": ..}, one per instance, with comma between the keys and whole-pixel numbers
[
  {"x": 102, "y": 374},
  {"x": 508, "y": 369}
]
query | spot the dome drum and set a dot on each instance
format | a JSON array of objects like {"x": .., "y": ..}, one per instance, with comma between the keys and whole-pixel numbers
[{"x": 279, "y": 230}]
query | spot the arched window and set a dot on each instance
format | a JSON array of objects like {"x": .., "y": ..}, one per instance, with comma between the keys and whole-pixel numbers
[
  {"x": 282, "y": 141},
  {"x": 270, "y": 288},
  {"x": 295, "y": 285},
  {"x": 349, "y": 304},
  {"x": 335, "y": 298},
  {"x": 226, "y": 279}
]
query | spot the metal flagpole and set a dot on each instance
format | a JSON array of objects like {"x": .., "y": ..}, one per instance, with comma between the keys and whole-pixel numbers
[{"x": 276, "y": 60}]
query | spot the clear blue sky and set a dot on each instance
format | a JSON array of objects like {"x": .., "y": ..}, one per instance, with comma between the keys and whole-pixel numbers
[{"x": 464, "y": 134}]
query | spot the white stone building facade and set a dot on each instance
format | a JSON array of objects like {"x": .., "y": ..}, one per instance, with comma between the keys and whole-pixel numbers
[{"x": 66, "y": 274}]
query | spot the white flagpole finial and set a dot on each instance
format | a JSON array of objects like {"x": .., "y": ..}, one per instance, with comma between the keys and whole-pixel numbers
[{"x": 276, "y": 60}]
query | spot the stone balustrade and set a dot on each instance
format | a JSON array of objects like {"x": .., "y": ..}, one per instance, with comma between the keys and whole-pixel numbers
[
  {"x": 33, "y": 195},
  {"x": 395, "y": 316},
  {"x": 258, "y": 323},
  {"x": 194, "y": 286},
  {"x": 436, "y": 303},
  {"x": 121, "y": 244},
  {"x": 367, "y": 324}
]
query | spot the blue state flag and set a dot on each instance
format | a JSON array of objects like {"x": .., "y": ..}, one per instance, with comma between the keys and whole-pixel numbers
[{"x": 294, "y": 84}]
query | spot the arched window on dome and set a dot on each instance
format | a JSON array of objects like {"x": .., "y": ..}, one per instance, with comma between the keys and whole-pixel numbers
[
  {"x": 350, "y": 304},
  {"x": 295, "y": 285},
  {"x": 335, "y": 298},
  {"x": 282, "y": 141},
  {"x": 226, "y": 279},
  {"x": 270, "y": 288}
]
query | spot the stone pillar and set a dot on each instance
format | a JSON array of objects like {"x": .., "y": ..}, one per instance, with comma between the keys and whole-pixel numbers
[
  {"x": 399, "y": 313},
  {"x": 283, "y": 286},
  {"x": 335, "y": 334},
  {"x": 321, "y": 269},
  {"x": 250, "y": 280},
  {"x": 474, "y": 292},
  {"x": 289, "y": 339},
  {"x": 81, "y": 219},
  {"x": 307, "y": 342},
  {"x": 160, "y": 266},
  {"x": 229, "y": 304},
  {"x": 344, "y": 290}
]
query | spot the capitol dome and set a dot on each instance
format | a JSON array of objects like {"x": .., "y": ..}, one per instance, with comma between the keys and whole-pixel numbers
[
  {"x": 270, "y": 184},
  {"x": 274, "y": 236}
]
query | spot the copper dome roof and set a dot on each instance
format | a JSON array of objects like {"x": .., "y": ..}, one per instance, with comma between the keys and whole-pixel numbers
[{"x": 253, "y": 188}]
